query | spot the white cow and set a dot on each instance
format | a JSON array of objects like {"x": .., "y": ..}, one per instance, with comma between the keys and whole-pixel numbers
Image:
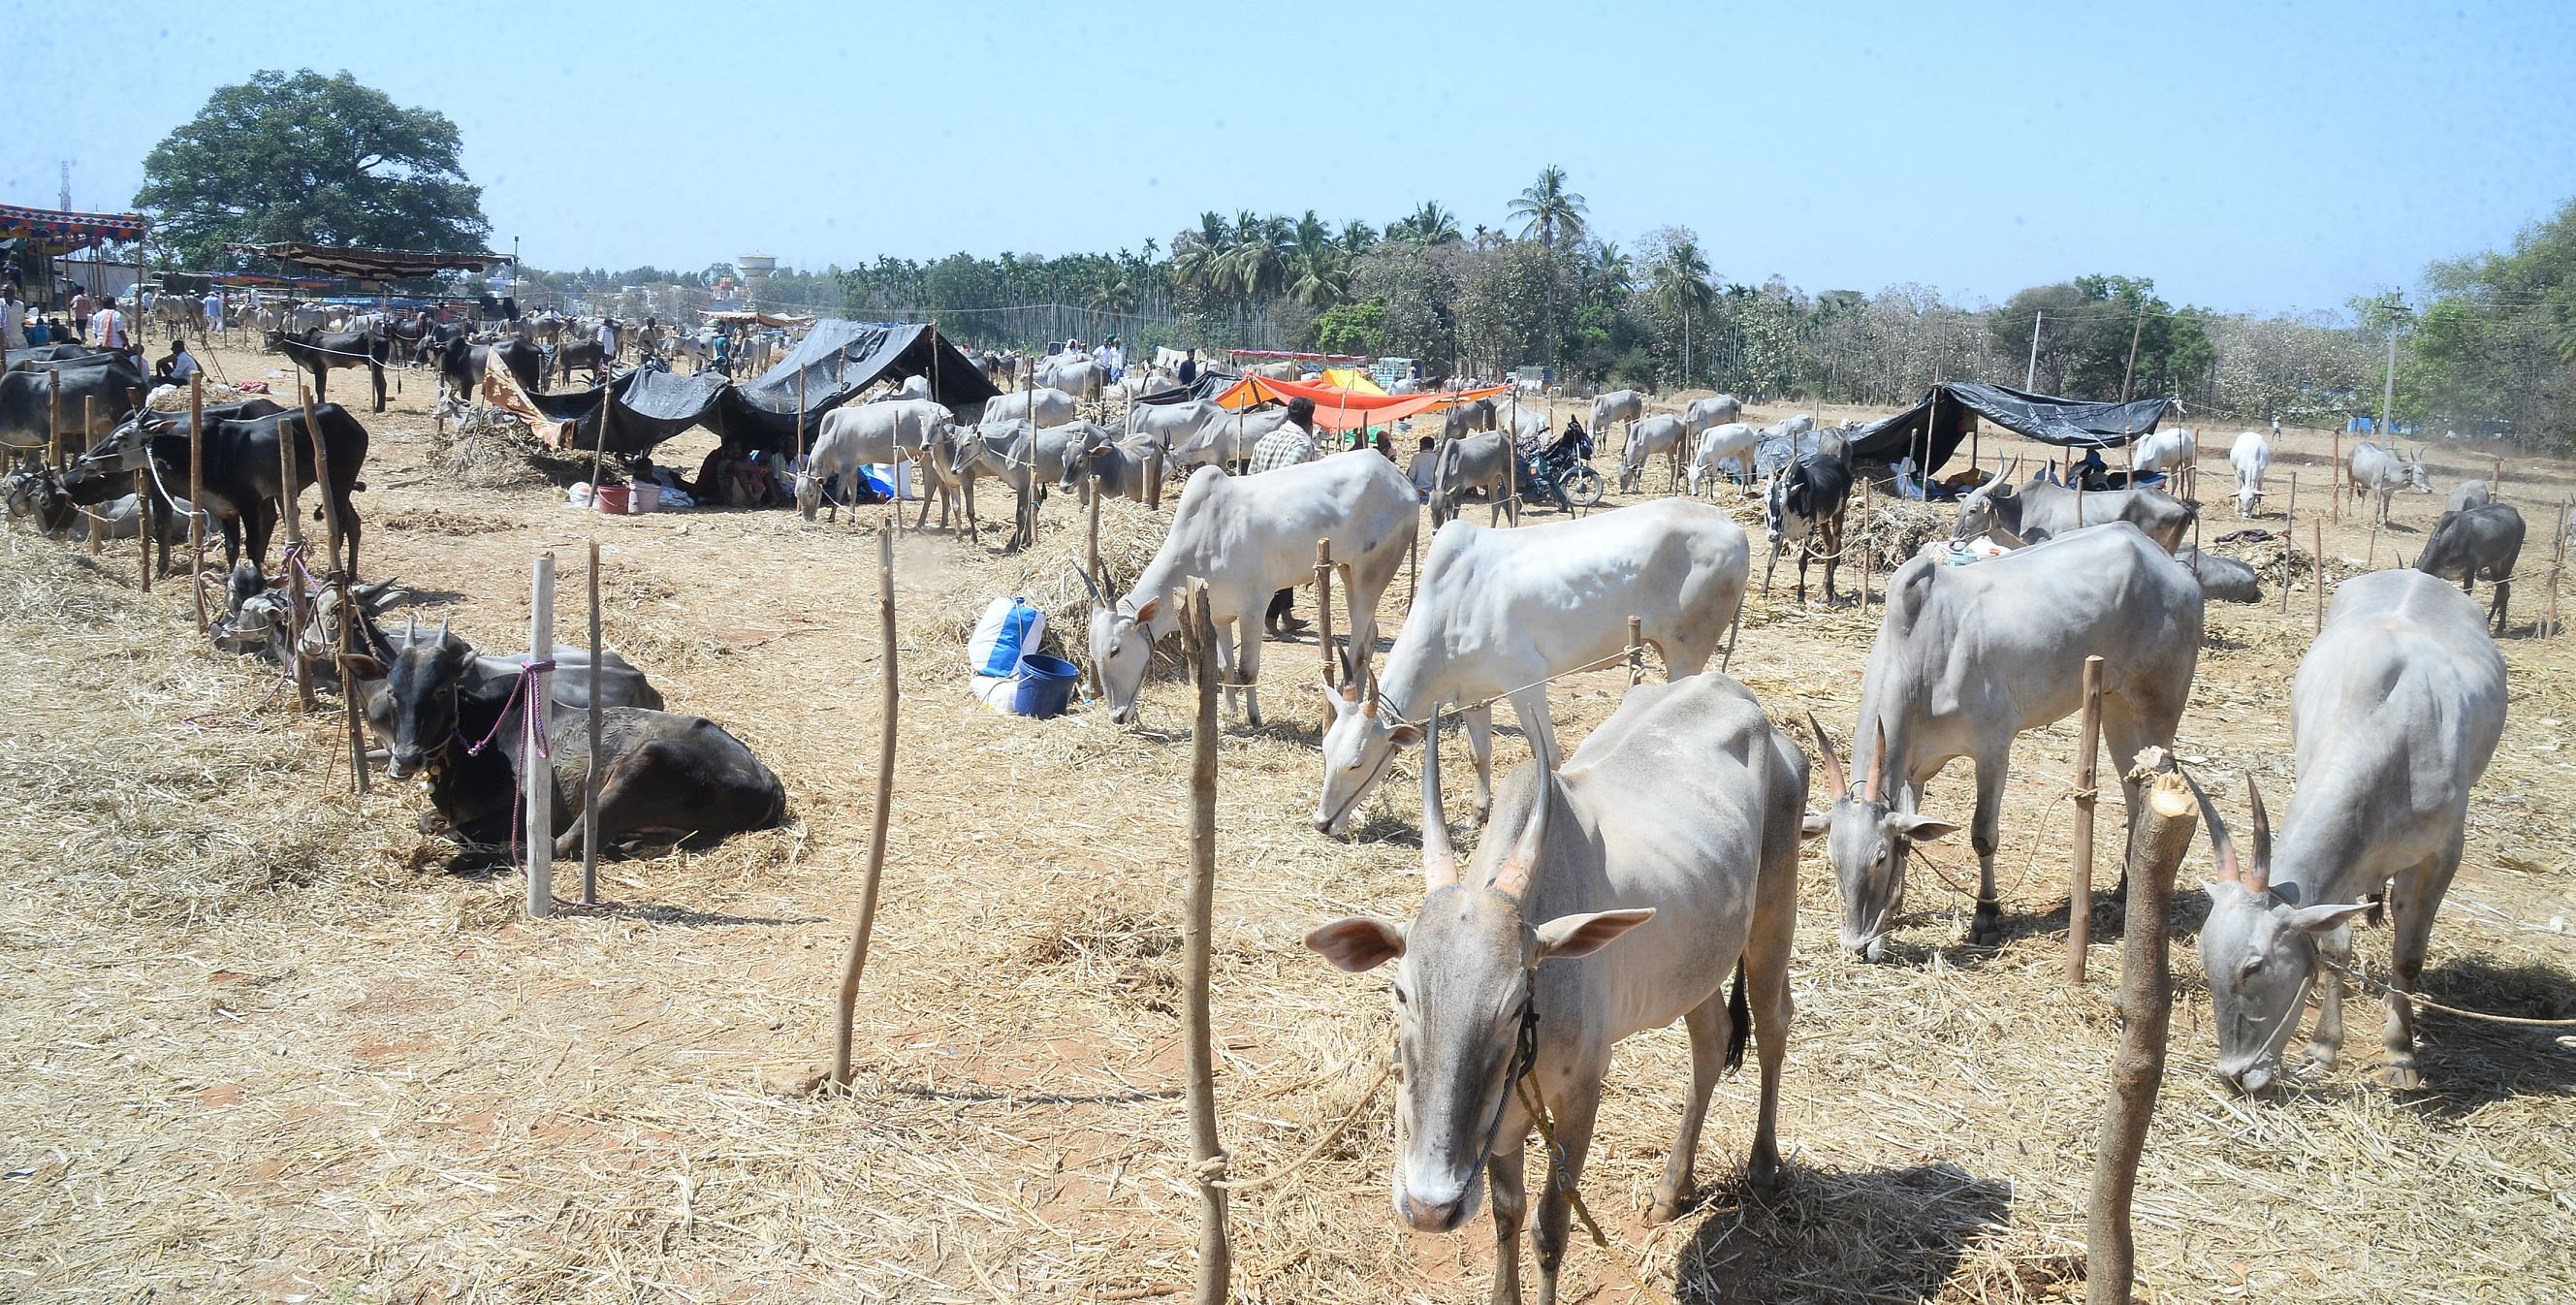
[
  {"x": 1711, "y": 412},
  {"x": 2168, "y": 450},
  {"x": 1735, "y": 440},
  {"x": 854, "y": 437},
  {"x": 2251, "y": 456},
  {"x": 1617, "y": 405},
  {"x": 1078, "y": 376},
  {"x": 1054, "y": 407},
  {"x": 1176, "y": 425},
  {"x": 1229, "y": 441},
  {"x": 1502, "y": 610},
  {"x": 1247, "y": 537},
  {"x": 1660, "y": 433}
]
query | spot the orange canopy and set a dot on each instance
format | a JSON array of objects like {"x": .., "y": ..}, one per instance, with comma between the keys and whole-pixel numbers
[{"x": 1337, "y": 409}]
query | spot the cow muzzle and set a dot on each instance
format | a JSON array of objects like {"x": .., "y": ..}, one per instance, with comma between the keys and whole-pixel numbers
[
  {"x": 2250, "y": 1079},
  {"x": 1871, "y": 947},
  {"x": 403, "y": 763}
]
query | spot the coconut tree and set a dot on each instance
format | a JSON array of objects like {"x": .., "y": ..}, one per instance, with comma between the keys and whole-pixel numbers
[
  {"x": 1431, "y": 224},
  {"x": 1550, "y": 212},
  {"x": 1681, "y": 289}
]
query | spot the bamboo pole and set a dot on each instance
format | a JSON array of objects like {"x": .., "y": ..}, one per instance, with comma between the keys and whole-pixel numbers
[
  {"x": 1636, "y": 652},
  {"x": 1324, "y": 608},
  {"x": 2289, "y": 533},
  {"x": 2146, "y": 1008},
  {"x": 2079, "y": 894},
  {"x": 590, "y": 770},
  {"x": 2370, "y": 556},
  {"x": 2319, "y": 530},
  {"x": 1215, "y": 1255},
  {"x": 536, "y": 773},
  {"x": 1090, "y": 526},
  {"x": 855, "y": 962},
  {"x": 146, "y": 499},
  {"x": 289, "y": 524},
  {"x": 86, "y": 418},
  {"x": 54, "y": 427},
  {"x": 2334, "y": 481},
  {"x": 196, "y": 494},
  {"x": 343, "y": 617}
]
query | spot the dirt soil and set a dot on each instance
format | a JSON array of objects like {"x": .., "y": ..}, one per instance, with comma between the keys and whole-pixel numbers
[{"x": 266, "y": 1046}]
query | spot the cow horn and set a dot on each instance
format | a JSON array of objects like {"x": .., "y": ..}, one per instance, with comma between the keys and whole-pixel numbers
[
  {"x": 1833, "y": 764},
  {"x": 2220, "y": 845},
  {"x": 2261, "y": 876},
  {"x": 1513, "y": 880},
  {"x": 1877, "y": 766},
  {"x": 1439, "y": 859}
]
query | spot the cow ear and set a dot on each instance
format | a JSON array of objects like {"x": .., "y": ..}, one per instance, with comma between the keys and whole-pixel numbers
[
  {"x": 1813, "y": 823},
  {"x": 2318, "y": 919},
  {"x": 1918, "y": 828},
  {"x": 1570, "y": 936},
  {"x": 1357, "y": 944},
  {"x": 1145, "y": 610},
  {"x": 1404, "y": 736}
]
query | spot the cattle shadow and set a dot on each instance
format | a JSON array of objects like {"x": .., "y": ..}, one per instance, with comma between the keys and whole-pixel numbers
[
  {"x": 2469, "y": 1063},
  {"x": 683, "y": 916},
  {"x": 1870, "y": 1234},
  {"x": 411, "y": 597},
  {"x": 1006, "y": 1096}
]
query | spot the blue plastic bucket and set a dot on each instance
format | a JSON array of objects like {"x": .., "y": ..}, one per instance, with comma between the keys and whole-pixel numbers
[{"x": 1046, "y": 685}]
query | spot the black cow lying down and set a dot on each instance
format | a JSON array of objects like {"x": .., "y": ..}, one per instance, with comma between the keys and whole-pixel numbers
[{"x": 664, "y": 778}]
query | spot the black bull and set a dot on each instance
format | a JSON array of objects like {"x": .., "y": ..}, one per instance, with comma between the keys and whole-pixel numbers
[
  {"x": 240, "y": 468},
  {"x": 318, "y": 351},
  {"x": 106, "y": 391}
]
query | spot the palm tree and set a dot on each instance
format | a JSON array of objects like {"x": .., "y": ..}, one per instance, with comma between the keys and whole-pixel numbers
[
  {"x": 1614, "y": 274},
  {"x": 1549, "y": 211},
  {"x": 1357, "y": 236},
  {"x": 1431, "y": 224},
  {"x": 1318, "y": 270},
  {"x": 1198, "y": 257},
  {"x": 1682, "y": 290}
]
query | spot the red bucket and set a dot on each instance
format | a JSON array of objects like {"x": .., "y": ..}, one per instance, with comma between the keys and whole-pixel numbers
[{"x": 612, "y": 499}]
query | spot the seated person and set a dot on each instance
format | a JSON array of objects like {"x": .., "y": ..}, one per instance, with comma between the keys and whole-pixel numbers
[{"x": 178, "y": 367}]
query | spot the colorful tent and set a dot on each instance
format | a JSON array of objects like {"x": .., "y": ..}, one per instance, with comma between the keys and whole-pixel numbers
[
  {"x": 1339, "y": 409},
  {"x": 59, "y": 229},
  {"x": 1350, "y": 378}
]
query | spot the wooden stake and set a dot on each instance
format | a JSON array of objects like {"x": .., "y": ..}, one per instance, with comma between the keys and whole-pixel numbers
[
  {"x": 2370, "y": 556},
  {"x": 2165, "y": 830},
  {"x": 54, "y": 427},
  {"x": 855, "y": 963},
  {"x": 536, "y": 773},
  {"x": 1324, "y": 608},
  {"x": 1636, "y": 652},
  {"x": 1215, "y": 1254},
  {"x": 84, "y": 434},
  {"x": 2293, "y": 513},
  {"x": 196, "y": 491},
  {"x": 1090, "y": 529},
  {"x": 2079, "y": 893},
  {"x": 2319, "y": 530},
  {"x": 291, "y": 527},
  {"x": 2289, "y": 532},
  {"x": 343, "y": 617},
  {"x": 2334, "y": 481},
  {"x": 590, "y": 770},
  {"x": 146, "y": 496}
]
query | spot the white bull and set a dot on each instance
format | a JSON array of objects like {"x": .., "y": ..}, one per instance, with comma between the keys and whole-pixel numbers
[
  {"x": 1711, "y": 412},
  {"x": 1247, "y": 537},
  {"x": 1502, "y": 610},
  {"x": 1080, "y": 377},
  {"x": 2251, "y": 456},
  {"x": 1735, "y": 440},
  {"x": 854, "y": 437},
  {"x": 1661, "y": 433},
  {"x": 1054, "y": 407}
]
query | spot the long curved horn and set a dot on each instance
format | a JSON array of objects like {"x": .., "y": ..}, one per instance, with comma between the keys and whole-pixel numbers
[
  {"x": 1513, "y": 880},
  {"x": 1439, "y": 859},
  {"x": 1877, "y": 767},
  {"x": 2220, "y": 845},
  {"x": 1833, "y": 764},
  {"x": 2260, "y": 877}
]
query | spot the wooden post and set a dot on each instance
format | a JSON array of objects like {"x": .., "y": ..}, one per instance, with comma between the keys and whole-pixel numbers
[
  {"x": 1842, "y": 520},
  {"x": 86, "y": 418},
  {"x": 1090, "y": 530},
  {"x": 2334, "y": 481},
  {"x": 2146, "y": 1008},
  {"x": 1324, "y": 608},
  {"x": 292, "y": 529},
  {"x": 2370, "y": 557},
  {"x": 196, "y": 474},
  {"x": 590, "y": 769},
  {"x": 2293, "y": 513},
  {"x": 855, "y": 963},
  {"x": 800, "y": 418},
  {"x": 343, "y": 618},
  {"x": 536, "y": 773},
  {"x": 2079, "y": 893},
  {"x": 1215, "y": 1255},
  {"x": 146, "y": 484},
  {"x": 1636, "y": 652},
  {"x": 2319, "y": 530},
  {"x": 54, "y": 426},
  {"x": 2289, "y": 533},
  {"x": 322, "y": 482}
]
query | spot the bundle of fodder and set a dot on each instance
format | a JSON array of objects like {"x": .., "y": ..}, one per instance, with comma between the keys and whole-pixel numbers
[
  {"x": 1892, "y": 531},
  {"x": 174, "y": 398},
  {"x": 489, "y": 447}
]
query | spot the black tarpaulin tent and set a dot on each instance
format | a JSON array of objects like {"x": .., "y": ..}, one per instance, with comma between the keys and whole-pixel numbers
[{"x": 1932, "y": 430}]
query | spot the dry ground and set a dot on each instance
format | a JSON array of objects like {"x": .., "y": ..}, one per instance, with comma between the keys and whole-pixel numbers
[{"x": 264, "y": 1047}]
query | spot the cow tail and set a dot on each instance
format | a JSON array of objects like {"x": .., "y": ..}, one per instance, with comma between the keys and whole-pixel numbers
[{"x": 1739, "y": 1020}]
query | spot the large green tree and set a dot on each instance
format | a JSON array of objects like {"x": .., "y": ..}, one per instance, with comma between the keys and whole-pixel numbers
[
  {"x": 1549, "y": 212},
  {"x": 2105, "y": 337},
  {"x": 304, "y": 157}
]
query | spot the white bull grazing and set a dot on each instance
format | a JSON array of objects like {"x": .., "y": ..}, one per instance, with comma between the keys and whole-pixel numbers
[
  {"x": 1608, "y": 900},
  {"x": 1617, "y": 405},
  {"x": 1080, "y": 377},
  {"x": 1054, "y": 407},
  {"x": 2168, "y": 451},
  {"x": 2375, "y": 471},
  {"x": 1229, "y": 441},
  {"x": 850, "y": 438},
  {"x": 1967, "y": 658},
  {"x": 1502, "y": 610},
  {"x": 2251, "y": 456},
  {"x": 1714, "y": 411},
  {"x": 1735, "y": 440},
  {"x": 2041, "y": 510},
  {"x": 2395, "y": 713},
  {"x": 1016, "y": 454},
  {"x": 1247, "y": 537},
  {"x": 1177, "y": 425},
  {"x": 1661, "y": 433}
]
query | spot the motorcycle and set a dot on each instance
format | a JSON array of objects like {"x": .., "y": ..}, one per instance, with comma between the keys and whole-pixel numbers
[{"x": 1563, "y": 472}]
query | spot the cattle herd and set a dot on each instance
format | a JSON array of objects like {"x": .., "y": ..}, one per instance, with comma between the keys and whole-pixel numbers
[{"x": 1653, "y": 863}]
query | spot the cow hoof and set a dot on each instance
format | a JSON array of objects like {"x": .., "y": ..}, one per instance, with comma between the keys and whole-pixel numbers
[
  {"x": 1986, "y": 928},
  {"x": 2321, "y": 1055},
  {"x": 1663, "y": 1211},
  {"x": 2405, "y": 1078},
  {"x": 1763, "y": 1172}
]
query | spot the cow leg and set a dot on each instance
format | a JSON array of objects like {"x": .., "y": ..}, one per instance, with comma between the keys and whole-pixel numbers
[
  {"x": 348, "y": 513},
  {"x": 378, "y": 370},
  {"x": 1986, "y": 929},
  {"x": 2503, "y": 598},
  {"x": 2325, "y": 1041},
  {"x": 1806, "y": 555},
  {"x": 1766, "y": 976},
  {"x": 1510, "y": 1194},
  {"x": 2418, "y": 893},
  {"x": 1832, "y": 532},
  {"x": 1529, "y": 706},
  {"x": 1248, "y": 656},
  {"x": 1480, "y": 741},
  {"x": 1575, "y": 1112},
  {"x": 1774, "y": 565},
  {"x": 1710, "y": 1026}
]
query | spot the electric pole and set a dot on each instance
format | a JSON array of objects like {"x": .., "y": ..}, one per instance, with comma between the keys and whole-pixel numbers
[
  {"x": 2030, "y": 375},
  {"x": 66, "y": 199},
  {"x": 2388, "y": 394}
]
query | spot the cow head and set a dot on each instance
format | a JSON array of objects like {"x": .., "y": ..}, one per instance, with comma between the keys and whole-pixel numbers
[
  {"x": 1359, "y": 746},
  {"x": 126, "y": 449},
  {"x": 809, "y": 489},
  {"x": 2259, "y": 949},
  {"x": 1977, "y": 507},
  {"x": 1462, "y": 988},
  {"x": 1122, "y": 647},
  {"x": 420, "y": 693},
  {"x": 2417, "y": 478},
  {"x": 1867, "y": 832}
]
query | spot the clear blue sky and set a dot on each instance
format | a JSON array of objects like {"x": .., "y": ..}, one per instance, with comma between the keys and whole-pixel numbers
[{"x": 2246, "y": 156}]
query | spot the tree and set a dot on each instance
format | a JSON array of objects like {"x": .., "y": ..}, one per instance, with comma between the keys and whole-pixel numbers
[
  {"x": 2103, "y": 337},
  {"x": 1431, "y": 224},
  {"x": 1549, "y": 211},
  {"x": 1681, "y": 288},
  {"x": 310, "y": 158}
]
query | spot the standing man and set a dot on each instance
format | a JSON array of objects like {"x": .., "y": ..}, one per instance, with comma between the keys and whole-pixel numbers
[
  {"x": 1290, "y": 445},
  {"x": 2276, "y": 427},
  {"x": 1113, "y": 358},
  {"x": 1190, "y": 368},
  {"x": 13, "y": 320},
  {"x": 607, "y": 340},
  {"x": 214, "y": 312},
  {"x": 107, "y": 330},
  {"x": 80, "y": 310}
]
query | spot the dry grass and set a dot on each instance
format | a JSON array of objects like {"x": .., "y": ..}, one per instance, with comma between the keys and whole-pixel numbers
[{"x": 268, "y": 1049}]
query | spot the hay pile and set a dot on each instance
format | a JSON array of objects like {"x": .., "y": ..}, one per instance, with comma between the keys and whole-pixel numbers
[
  {"x": 174, "y": 398},
  {"x": 1893, "y": 530},
  {"x": 491, "y": 449}
]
